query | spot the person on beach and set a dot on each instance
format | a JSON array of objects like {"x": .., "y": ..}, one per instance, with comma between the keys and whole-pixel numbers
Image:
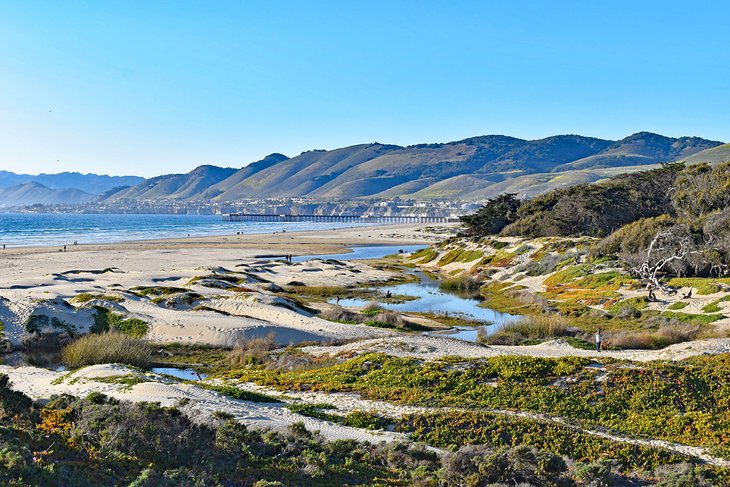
[{"x": 599, "y": 338}]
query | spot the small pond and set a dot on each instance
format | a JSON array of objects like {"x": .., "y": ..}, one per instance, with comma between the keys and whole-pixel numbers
[
  {"x": 365, "y": 252},
  {"x": 184, "y": 374},
  {"x": 45, "y": 359},
  {"x": 431, "y": 299},
  {"x": 52, "y": 361}
]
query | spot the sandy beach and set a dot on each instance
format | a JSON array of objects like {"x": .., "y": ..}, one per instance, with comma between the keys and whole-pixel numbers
[
  {"x": 297, "y": 243},
  {"x": 206, "y": 308},
  {"x": 41, "y": 281}
]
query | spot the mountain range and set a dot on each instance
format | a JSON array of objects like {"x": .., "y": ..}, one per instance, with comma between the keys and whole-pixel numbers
[
  {"x": 91, "y": 183},
  {"x": 471, "y": 169},
  {"x": 58, "y": 189},
  {"x": 37, "y": 194}
]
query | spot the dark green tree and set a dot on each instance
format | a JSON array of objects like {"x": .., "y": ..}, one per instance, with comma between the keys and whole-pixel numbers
[{"x": 491, "y": 218}]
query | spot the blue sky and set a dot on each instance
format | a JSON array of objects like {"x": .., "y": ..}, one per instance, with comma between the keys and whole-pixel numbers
[{"x": 152, "y": 87}]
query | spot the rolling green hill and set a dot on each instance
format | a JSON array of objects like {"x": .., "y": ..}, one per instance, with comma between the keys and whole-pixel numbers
[
  {"x": 474, "y": 168},
  {"x": 176, "y": 186},
  {"x": 641, "y": 148},
  {"x": 715, "y": 155}
]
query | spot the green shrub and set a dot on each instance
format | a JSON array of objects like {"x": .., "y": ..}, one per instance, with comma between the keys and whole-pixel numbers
[
  {"x": 107, "y": 320},
  {"x": 491, "y": 218},
  {"x": 632, "y": 238},
  {"x": 597, "y": 209},
  {"x": 424, "y": 256},
  {"x": 35, "y": 323},
  {"x": 86, "y": 297},
  {"x": 460, "y": 284},
  {"x": 580, "y": 343},
  {"x": 714, "y": 307},
  {"x": 314, "y": 411},
  {"x": 372, "y": 308},
  {"x": 363, "y": 419},
  {"x": 238, "y": 393},
  {"x": 701, "y": 285},
  {"x": 450, "y": 256},
  {"x": 158, "y": 290},
  {"x": 693, "y": 318},
  {"x": 470, "y": 256}
]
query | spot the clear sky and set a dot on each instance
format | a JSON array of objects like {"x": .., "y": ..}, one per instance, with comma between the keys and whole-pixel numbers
[{"x": 151, "y": 87}]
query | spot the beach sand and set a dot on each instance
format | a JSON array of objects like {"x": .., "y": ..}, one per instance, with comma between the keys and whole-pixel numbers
[
  {"x": 41, "y": 280},
  {"x": 44, "y": 280}
]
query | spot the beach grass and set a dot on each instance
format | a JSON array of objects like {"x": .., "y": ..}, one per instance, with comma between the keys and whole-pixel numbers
[{"x": 106, "y": 348}]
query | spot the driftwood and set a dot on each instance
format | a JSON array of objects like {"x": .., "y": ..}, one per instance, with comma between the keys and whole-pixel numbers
[{"x": 665, "y": 248}]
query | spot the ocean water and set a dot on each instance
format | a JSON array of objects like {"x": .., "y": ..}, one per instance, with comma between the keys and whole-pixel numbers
[{"x": 31, "y": 229}]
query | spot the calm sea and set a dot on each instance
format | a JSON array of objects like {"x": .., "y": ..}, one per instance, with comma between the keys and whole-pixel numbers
[{"x": 30, "y": 229}]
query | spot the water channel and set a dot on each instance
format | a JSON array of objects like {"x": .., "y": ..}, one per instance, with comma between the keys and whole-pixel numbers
[{"x": 429, "y": 297}]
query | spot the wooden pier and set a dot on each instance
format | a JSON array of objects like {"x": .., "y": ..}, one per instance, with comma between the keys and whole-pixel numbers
[{"x": 250, "y": 217}]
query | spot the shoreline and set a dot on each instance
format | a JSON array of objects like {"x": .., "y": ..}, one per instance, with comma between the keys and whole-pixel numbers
[{"x": 337, "y": 240}]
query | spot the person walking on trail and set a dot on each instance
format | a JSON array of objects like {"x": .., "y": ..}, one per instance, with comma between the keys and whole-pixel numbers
[{"x": 599, "y": 338}]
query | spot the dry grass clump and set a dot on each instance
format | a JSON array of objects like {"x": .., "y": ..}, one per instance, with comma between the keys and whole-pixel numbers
[
  {"x": 548, "y": 263},
  {"x": 371, "y": 308},
  {"x": 532, "y": 300},
  {"x": 251, "y": 351},
  {"x": 628, "y": 312},
  {"x": 668, "y": 333},
  {"x": 371, "y": 315},
  {"x": 106, "y": 348},
  {"x": 461, "y": 284},
  {"x": 341, "y": 315},
  {"x": 323, "y": 291},
  {"x": 630, "y": 340},
  {"x": 294, "y": 359},
  {"x": 531, "y": 327},
  {"x": 391, "y": 318}
]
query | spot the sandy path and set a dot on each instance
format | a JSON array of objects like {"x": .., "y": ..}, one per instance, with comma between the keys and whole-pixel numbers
[
  {"x": 41, "y": 384},
  {"x": 348, "y": 402},
  {"x": 433, "y": 347}
]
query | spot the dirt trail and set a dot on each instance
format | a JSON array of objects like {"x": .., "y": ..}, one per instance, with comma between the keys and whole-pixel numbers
[
  {"x": 42, "y": 384},
  {"x": 349, "y": 402},
  {"x": 434, "y": 347}
]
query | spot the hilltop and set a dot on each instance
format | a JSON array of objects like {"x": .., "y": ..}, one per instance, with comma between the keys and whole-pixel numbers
[
  {"x": 33, "y": 193},
  {"x": 474, "y": 168}
]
